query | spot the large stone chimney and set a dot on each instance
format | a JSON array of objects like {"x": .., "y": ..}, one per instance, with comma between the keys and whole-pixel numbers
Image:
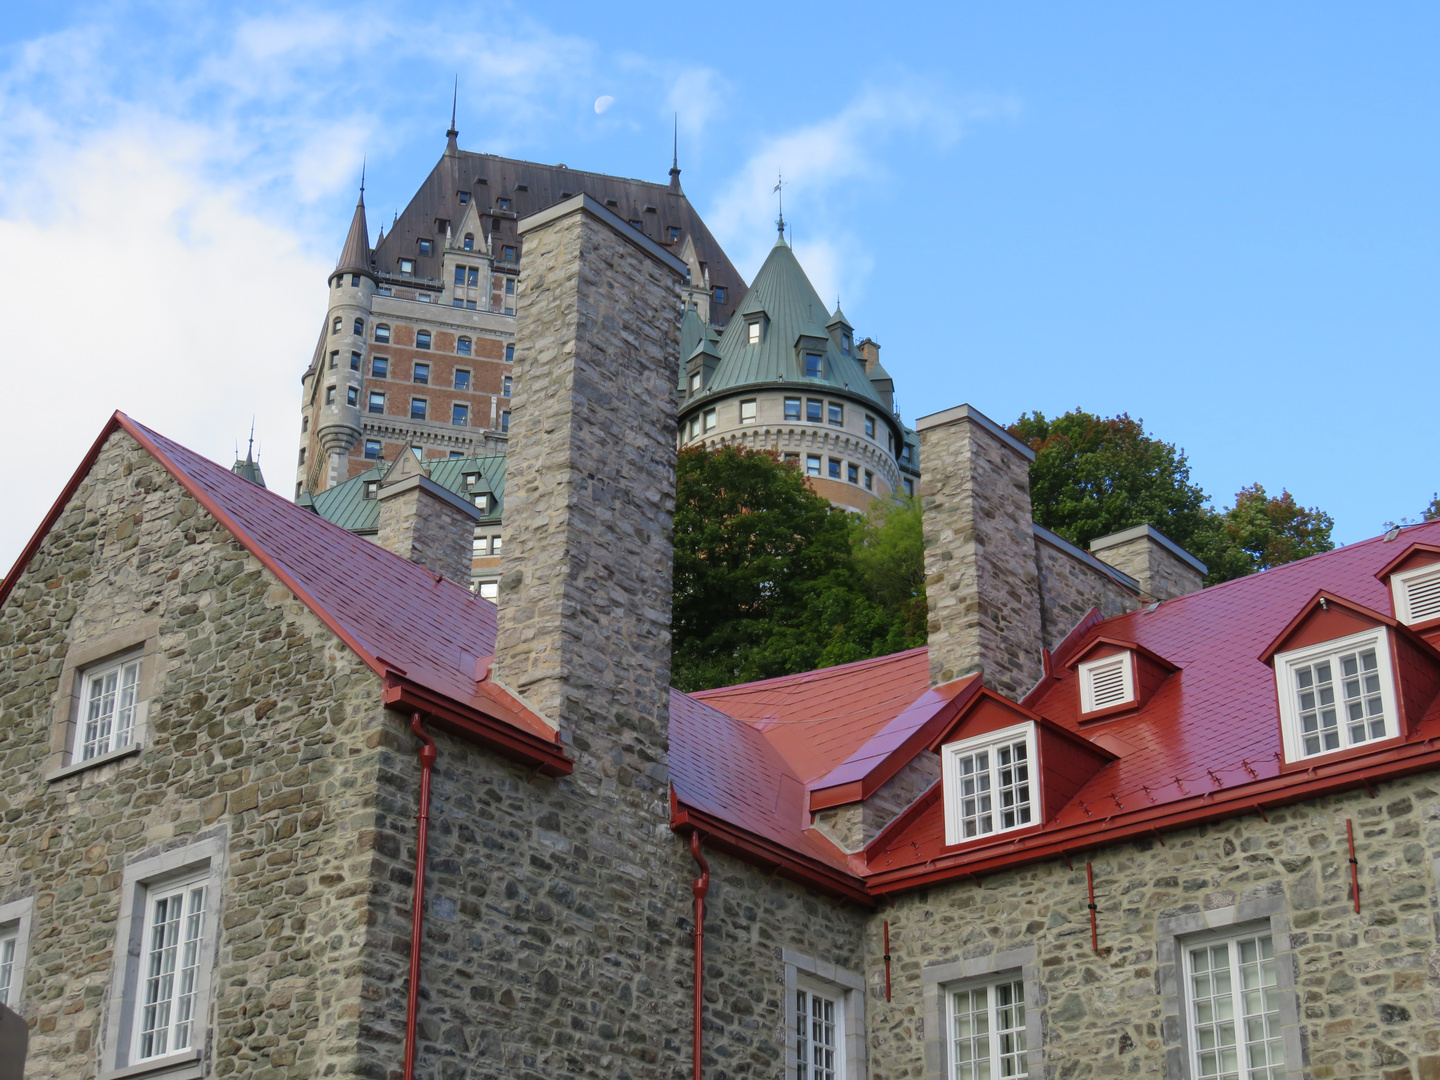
[
  {"x": 424, "y": 522},
  {"x": 981, "y": 580},
  {"x": 1162, "y": 567},
  {"x": 585, "y": 585}
]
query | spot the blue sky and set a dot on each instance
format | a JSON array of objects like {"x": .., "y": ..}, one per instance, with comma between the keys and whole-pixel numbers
[{"x": 1220, "y": 218}]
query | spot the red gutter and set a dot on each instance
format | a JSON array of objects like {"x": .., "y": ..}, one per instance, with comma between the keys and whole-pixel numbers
[
  {"x": 517, "y": 744},
  {"x": 722, "y": 836},
  {"x": 428, "y": 754},
  {"x": 1053, "y": 843},
  {"x": 701, "y": 888}
]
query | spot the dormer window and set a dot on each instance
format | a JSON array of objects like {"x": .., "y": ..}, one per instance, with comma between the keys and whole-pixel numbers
[
  {"x": 469, "y": 242},
  {"x": 407, "y": 267},
  {"x": 463, "y": 196},
  {"x": 1336, "y": 695},
  {"x": 752, "y": 331},
  {"x": 719, "y": 294},
  {"x": 1417, "y": 594},
  {"x": 471, "y": 479},
  {"x": 814, "y": 365},
  {"x": 482, "y": 502},
  {"x": 502, "y": 204},
  {"x": 371, "y": 486},
  {"x": 845, "y": 343},
  {"x": 694, "y": 382},
  {"x": 988, "y": 783},
  {"x": 1107, "y": 682},
  {"x": 425, "y": 247}
]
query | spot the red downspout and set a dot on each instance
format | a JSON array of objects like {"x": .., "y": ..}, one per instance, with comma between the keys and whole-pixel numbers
[
  {"x": 887, "y": 959},
  {"x": 700, "y": 888},
  {"x": 1354, "y": 866},
  {"x": 428, "y": 754},
  {"x": 1090, "y": 885}
]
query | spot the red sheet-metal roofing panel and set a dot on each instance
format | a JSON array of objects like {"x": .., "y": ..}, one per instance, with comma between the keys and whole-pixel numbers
[
  {"x": 819, "y": 719},
  {"x": 431, "y": 631},
  {"x": 1211, "y": 726}
]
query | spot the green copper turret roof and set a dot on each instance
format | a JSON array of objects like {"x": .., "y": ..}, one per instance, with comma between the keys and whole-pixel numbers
[
  {"x": 792, "y": 311},
  {"x": 346, "y": 505}
]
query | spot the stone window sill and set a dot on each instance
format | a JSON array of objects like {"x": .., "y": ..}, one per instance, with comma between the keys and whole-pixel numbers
[
  {"x": 94, "y": 763},
  {"x": 183, "y": 1066}
]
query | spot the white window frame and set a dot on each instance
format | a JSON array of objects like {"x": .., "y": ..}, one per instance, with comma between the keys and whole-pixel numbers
[
  {"x": 129, "y": 674},
  {"x": 201, "y": 862},
  {"x": 754, "y": 332},
  {"x": 952, "y": 755},
  {"x": 1232, "y": 938},
  {"x": 15, "y": 918},
  {"x": 708, "y": 421},
  {"x": 1287, "y": 690},
  {"x": 995, "y": 1013},
  {"x": 1400, "y": 586},
  {"x": 940, "y": 981},
  {"x": 819, "y": 1054},
  {"x": 1087, "y": 672},
  {"x": 807, "y": 974},
  {"x": 753, "y": 407},
  {"x": 169, "y": 966}
]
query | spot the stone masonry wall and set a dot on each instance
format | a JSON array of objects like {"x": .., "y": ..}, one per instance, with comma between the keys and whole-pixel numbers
[
  {"x": 259, "y": 729},
  {"x": 1161, "y": 574},
  {"x": 1069, "y": 589},
  {"x": 1367, "y": 985},
  {"x": 981, "y": 582},
  {"x": 426, "y": 528}
]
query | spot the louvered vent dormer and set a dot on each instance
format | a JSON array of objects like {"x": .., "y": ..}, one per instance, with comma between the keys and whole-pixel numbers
[
  {"x": 1417, "y": 594},
  {"x": 1106, "y": 682}
]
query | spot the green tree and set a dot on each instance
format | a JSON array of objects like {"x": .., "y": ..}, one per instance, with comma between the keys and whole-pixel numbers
[
  {"x": 1095, "y": 475},
  {"x": 767, "y": 580}
]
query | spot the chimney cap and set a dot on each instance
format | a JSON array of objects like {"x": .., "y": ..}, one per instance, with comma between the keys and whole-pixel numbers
[
  {"x": 1124, "y": 536},
  {"x": 969, "y": 412}
]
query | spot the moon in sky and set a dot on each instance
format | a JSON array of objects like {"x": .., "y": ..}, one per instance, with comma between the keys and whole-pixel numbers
[{"x": 603, "y": 102}]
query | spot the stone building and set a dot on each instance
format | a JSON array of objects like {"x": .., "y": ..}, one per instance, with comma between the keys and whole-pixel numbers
[
  {"x": 280, "y": 802},
  {"x": 418, "y": 342},
  {"x": 789, "y": 376}
]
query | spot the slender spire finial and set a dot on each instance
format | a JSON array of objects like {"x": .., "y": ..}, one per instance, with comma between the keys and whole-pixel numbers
[
  {"x": 251, "y": 444},
  {"x": 362, "y": 180},
  {"x": 452, "y": 131},
  {"x": 779, "y": 190},
  {"x": 675, "y": 158}
]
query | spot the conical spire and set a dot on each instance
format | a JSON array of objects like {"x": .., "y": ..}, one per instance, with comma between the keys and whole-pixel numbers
[
  {"x": 675, "y": 158},
  {"x": 355, "y": 255},
  {"x": 452, "y": 134}
]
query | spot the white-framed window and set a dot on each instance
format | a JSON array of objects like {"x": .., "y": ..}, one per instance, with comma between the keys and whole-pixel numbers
[
  {"x": 747, "y": 411},
  {"x": 752, "y": 331},
  {"x": 1106, "y": 682},
  {"x": 164, "y": 958},
  {"x": 170, "y": 954},
  {"x": 812, "y": 464},
  {"x": 819, "y": 1031},
  {"x": 490, "y": 590},
  {"x": 110, "y": 707},
  {"x": 694, "y": 382},
  {"x": 1232, "y": 1007},
  {"x": 709, "y": 421},
  {"x": 1336, "y": 695},
  {"x": 987, "y": 1037},
  {"x": 1417, "y": 594},
  {"x": 14, "y": 947},
  {"x": 989, "y": 784}
]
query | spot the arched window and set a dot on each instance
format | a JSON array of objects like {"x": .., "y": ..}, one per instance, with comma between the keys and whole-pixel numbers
[
  {"x": 469, "y": 243},
  {"x": 359, "y": 327},
  {"x": 462, "y": 346},
  {"x": 335, "y": 326},
  {"x": 422, "y": 339},
  {"x": 382, "y": 333}
]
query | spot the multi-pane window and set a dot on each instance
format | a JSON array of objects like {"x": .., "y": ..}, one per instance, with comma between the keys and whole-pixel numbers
[
  {"x": 468, "y": 243},
  {"x": 814, "y": 365},
  {"x": 407, "y": 267},
  {"x": 869, "y": 426},
  {"x": 354, "y": 361},
  {"x": 752, "y": 331},
  {"x": 845, "y": 344},
  {"x": 1234, "y": 1009},
  {"x": 909, "y": 486},
  {"x": 708, "y": 421},
  {"x": 459, "y": 414},
  {"x": 418, "y": 408},
  {"x": 988, "y": 786},
  {"x": 505, "y": 421},
  {"x": 792, "y": 408},
  {"x": 836, "y": 412},
  {"x": 507, "y": 252},
  {"x": 330, "y": 395},
  {"x": 502, "y": 204},
  {"x": 422, "y": 339},
  {"x": 377, "y": 402},
  {"x": 425, "y": 247},
  {"x": 352, "y": 395},
  {"x": 382, "y": 333},
  {"x": 852, "y": 473},
  {"x": 814, "y": 410},
  {"x": 495, "y": 543},
  {"x": 482, "y": 501},
  {"x": 372, "y": 448},
  {"x": 835, "y": 468},
  {"x": 1337, "y": 695},
  {"x": 109, "y": 704},
  {"x": 719, "y": 294},
  {"x": 462, "y": 346},
  {"x": 507, "y": 385},
  {"x": 9, "y": 940},
  {"x": 170, "y": 958},
  {"x": 509, "y": 307},
  {"x": 869, "y": 480},
  {"x": 359, "y": 327},
  {"x": 747, "y": 411},
  {"x": 819, "y": 1037},
  {"x": 673, "y": 232},
  {"x": 812, "y": 464},
  {"x": 510, "y": 353},
  {"x": 354, "y": 281},
  {"x": 335, "y": 325},
  {"x": 422, "y": 373},
  {"x": 695, "y": 377},
  {"x": 334, "y": 359},
  {"x": 462, "y": 379},
  {"x": 380, "y": 367},
  {"x": 987, "y": 1032}
]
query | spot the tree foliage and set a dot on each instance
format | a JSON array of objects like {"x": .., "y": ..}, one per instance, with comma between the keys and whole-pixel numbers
[
  {"x": 1096, "y": 475},
  {"x": 771, "y": 579}
]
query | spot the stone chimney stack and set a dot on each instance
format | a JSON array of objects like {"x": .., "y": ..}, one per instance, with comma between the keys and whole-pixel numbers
[
  {"x": 981, "y": 580},
  {"x": 869, "y": 354},
  {"x": 585, "y": 585},
  {"x": 1162, "y": 567},
  {"x": 424, "y": 522}
]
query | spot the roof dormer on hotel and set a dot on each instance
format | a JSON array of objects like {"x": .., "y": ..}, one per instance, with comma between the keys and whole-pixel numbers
[
  {"x": 1117, "y": 676},
  {"x": 1413, "y": 577}
]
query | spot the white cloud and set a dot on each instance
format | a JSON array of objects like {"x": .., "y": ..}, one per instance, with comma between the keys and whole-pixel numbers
[{"x": 834, "y": 170}]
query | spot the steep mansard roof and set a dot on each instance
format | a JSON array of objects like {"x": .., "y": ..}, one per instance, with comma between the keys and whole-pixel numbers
[
  {"x": 345, "y": 504},
  {"x": 750, "y": 763},
  {"x": 530, "y": 187},
  {"x": 793, "y": 308}
]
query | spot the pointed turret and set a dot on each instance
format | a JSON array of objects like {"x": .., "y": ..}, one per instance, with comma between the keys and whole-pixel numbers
[
  {"x": 692, "y": 331},
  {"x": 249, "y": 468},
  {"x": 355, "y": 255}
]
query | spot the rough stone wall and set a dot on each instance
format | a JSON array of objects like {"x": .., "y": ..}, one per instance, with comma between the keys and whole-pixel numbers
[
  {"x": 425, "y": 528},
  {"x": 258, "y": 729},
  {"x": 1069, "y": 589},
  {"x": 981, "y": 582},
  {"x": 1367, "y": 985},
  {"x": 1161, "y": 574},
  {"x": 854, "y": 825}
]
